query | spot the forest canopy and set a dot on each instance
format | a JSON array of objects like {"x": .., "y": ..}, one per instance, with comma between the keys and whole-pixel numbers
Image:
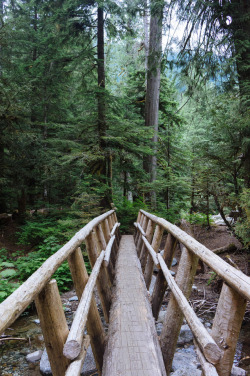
[{"x": 102, "y": 104}]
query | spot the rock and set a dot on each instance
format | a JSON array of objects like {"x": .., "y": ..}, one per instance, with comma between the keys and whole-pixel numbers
[
  {"x": 185, "y": 363},
  {"x": 194, "y": 288},
  {"x": 89, "y": 366},
  {"x": 159, "y": 327},
  {"x": 161, "y": 316},
  {"x": 185, "y": 335},
  {"x": 172, "y": 273},
  {"x": 207, "y": 325},
  {"x": 34, "y": 357},
  {"x": 73, "y": 299},
  {"x": 152, "y": 285},
  {"x": 174, "y": 262},
  {"x": 187, "y": 371},
  {"x": 237, "y": 371},
  {"x": 36, "y": 321}
]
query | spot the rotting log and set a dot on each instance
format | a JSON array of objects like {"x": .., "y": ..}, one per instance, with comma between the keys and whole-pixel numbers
[
  {"x": 174, "y": 316},
  {"x": 16, "y": 303},
  {"x": 54, "y": 326},
  {"x": 156, "y": 242},
  {"x": 207, "y": 368},
  {"x": 226, "y": 326},
  {"x": 103, "y": 281},
  {"x": 94, "y": 324},
  {"x": 228, "y": 248},
  {"x": 74, "y": 341},
  {"x": 161, "y": 283},
  {"x": 209, "y": 347},
  {"x": 74, "y": 369},
  {"x": 149, "y": 235},
  {"x": 235, "y": 278},
  {"x": 151, "y": 251}
]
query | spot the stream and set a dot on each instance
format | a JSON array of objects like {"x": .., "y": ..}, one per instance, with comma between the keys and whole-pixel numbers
[{"x": 13, "y": 352}]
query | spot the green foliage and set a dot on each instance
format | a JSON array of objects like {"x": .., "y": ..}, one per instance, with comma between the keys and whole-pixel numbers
[
  {"x": 242, "y": 227},
  {"x": 196, "y": 218},
  {"x": 127, "y": 213}
]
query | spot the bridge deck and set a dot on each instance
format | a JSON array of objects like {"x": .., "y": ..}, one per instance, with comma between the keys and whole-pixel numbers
[{"x": 133, "y": 347}]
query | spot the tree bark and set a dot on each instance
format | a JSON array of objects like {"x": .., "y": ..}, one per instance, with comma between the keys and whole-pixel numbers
[
  {"x": 153, "y": 84},
  {"x": 105, "y": 167}
]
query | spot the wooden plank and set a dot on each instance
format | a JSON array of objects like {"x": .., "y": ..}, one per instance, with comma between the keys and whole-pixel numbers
[
  {"x": 206, "y": 342},
  {"x": 133, "y": 345},
  {"x": 235, "y": 278},
  {"x": 74, "y": 369},
  {"x": 161, "y": 283},
  {"x": 151, "y": 251},
  {"x": 150, "y": 264},
  {"x": 226, "y": 326},
  {"x": 16, "y": 303},
  {"x": 74, "y": 341},
  {"x": 54, "y": 326},
  {"x": 94, "y": 323}
]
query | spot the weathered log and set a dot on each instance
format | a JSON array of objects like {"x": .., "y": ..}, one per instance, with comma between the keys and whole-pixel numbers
[
  {"x": 228, "y": 248},
  {"x": 103, "y": 281},
  {"x": 174, "y": 316},
  {"x": 74, "y": 369},
  {"x": 108, "y": 251},
  {"x": 142, "y": 217},
  {"x": 235, "y": 278},
  {"x": 151, "y": 251},
  {"x": 156, "y": 242},
  {"x": 206, "y": 342},
  {"x": 74, "y": 341},
  {"x": 140, "y": 242},
  {"x": 141, "y": 230},
  {"x": 161, "y": 283},
  {"x": 116, "y": 226},
  {"x": 226, "y": 326},
  {"x": 94, "y": 324},
  {"x": 16, "y": 303},
  {"x": 207, "y": 368},
  {"x": 54, "y": 326},
  {"x": 149, "y": 236}
]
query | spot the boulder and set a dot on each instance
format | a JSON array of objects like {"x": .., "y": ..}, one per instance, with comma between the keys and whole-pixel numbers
[
  {"x": 185, "y": 336},
  {"x": 237, "y": 371},
  {"x": 34, "y": 357},
  {"x": 89, "y": 366}
]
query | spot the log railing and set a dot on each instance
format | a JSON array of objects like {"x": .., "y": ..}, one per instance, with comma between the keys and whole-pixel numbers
[
  {"x": 216, "y": 349},
  {"x": 67, "y": 349}
]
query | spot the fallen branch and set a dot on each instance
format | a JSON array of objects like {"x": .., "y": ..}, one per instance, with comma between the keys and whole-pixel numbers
[{"x": 228, "y": 248}]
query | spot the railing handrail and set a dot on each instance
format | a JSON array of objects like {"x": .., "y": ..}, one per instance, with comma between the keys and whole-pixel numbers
[
  {"x": 235, "y": 278},
  {"x": 18, "y": 301}
]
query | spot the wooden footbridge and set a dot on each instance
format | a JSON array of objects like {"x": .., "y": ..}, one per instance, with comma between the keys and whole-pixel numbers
[{"x": 122, "y": 269}]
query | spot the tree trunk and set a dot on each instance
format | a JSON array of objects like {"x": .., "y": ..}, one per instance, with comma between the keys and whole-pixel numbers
[
  {"x": 153, "y": 84},
  {"x": 105, "y": 162}
]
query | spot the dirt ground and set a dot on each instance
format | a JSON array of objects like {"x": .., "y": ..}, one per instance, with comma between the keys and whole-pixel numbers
[{"x": 207, "y": 285}]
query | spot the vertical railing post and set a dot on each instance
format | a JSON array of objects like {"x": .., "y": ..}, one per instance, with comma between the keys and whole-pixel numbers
[
  {"x": 138, "y": 234},
  {"x": 226, "y": 326},
  {"x": 94, "y": 324},
  {"x": 140, "y": 241},
  {"x": 144, "y": 251},
  {"x": 103, "y": 245},
  {"x": 161, "y": 283},
  {"x": 103, "y": 282},
  {"x": 174, "y": 316},
  {"x": 137, "y": 221},
  {"x": 156, "y": 242},
  {"x": 54, "y": 326}
]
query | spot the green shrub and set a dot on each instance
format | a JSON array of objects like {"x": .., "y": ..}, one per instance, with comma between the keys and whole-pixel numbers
[
  {"x": 127, "y": 212},
  {"x": 242, "y": 227}
]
